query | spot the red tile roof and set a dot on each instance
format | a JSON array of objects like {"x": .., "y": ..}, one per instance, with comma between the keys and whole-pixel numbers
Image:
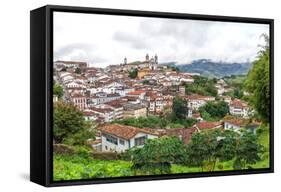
[
  {"x": 138, "y": 92},
  {"x": 198, "y": 97},
  {"x": 184, "y": 133},
  {"x": 124, "y": 131},
  {"x": 88, "y": 113},
  {"x": 237, "y": 122},
  {"x": 208, "y": 125},
  {"x": 238, "y": 103}
]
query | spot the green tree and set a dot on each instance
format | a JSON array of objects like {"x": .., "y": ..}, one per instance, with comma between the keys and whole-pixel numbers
[
  {"x": 179, "y": 108},
  {"x": 214, "y": 110},
  {"x": 142, "y": 122},
  {"x": 157, "y": 155},
  {"x": 202, "y": 86},
  {"x": 206, "y": 148},
  {"x": 57, "y": 90},
  {"x": 78, "y": 70},
  {"x": 247, "y": 151},
  {"x": 258, "y": 83},
  {"x": 69, "y": 124},
  {"x": 145, "y": 82},
  {"x": 133, "y": 73},
  {"x": 238, "y": 93}
]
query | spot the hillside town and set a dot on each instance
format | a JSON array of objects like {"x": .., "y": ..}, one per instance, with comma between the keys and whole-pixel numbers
[{"x": 141, "y": 89}]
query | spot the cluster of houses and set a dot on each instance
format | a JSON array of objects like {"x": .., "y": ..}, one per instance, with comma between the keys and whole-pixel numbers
[
  {"x": 119, "y": 138},
  {"x": 109, "y": 94}
]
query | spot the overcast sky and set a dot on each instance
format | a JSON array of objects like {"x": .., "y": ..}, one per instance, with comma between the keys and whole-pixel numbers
[{"x": 101, "y": 40}]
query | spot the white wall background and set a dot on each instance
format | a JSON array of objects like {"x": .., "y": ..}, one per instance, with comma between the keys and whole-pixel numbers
[{"x": 14, "y": 95}]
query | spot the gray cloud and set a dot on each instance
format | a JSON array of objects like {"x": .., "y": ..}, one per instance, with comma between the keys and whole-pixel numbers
[
  {"x": 133, "y": 40},
  {"x": 79, "y": 52},
  {"x": 104, "y": 39},
  {"x": 71, "y": 48}
]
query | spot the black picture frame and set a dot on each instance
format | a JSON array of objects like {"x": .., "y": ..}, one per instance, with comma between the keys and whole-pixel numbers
[{"x": 41, "y": 59}]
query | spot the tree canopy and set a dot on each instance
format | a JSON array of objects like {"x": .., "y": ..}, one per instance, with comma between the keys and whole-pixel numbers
[
  {"x": 247, "y": 151},
  {"x": 57, "y": 90},
  {"x": 258, "y": 83},
  {"x": 180, "y": 110},
  {"x": 157, "y": 155},
  {"x": 69, "y": 124},
  {"x": 206, "y": 148},
  {"x": 133, "y": 73},
  {"x": 78, "y": 70},
  {"x": 202, "y": 86},
  {"x": 214, "y": 110}
]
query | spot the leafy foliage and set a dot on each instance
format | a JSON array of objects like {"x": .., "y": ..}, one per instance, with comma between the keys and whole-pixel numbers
[
  {"x": 201, "y": 86},
  {"x": 179, "y": 108},
  {"x": 143, "y": 122},
  {"x": 257, "y": 83},
  {"x": 69, "y": 124},
  {"x": 157, "y": 122},
  {"x": 206, "y": 148},
  {"x": 78, "y": 167},
  {"x": 78, "y": 70},
  {"x": 133, "y": 73},
  {"x": 57, "y": 90},
  {"x": 157, "y": 155},
  {"x": 145, "y": 82},
  {"x": 247, "y": 151},
  {"x": 214, "y": 110}
]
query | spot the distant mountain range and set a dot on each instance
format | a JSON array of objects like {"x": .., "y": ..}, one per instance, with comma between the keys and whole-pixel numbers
[{"x": 210, "y": 68}]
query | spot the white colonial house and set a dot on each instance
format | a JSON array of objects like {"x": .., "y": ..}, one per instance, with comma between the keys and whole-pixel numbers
[
  {"x": 79, "y": 101},
  {"x": 102, "y": 97},
  {"x": 234, "y": 124},
  {"x": 66, "y": 77},
  {"x": 108, "y": 90},
  {"x": 239, "y": 108},
  {"x": 117, "y": 108},
  {"x": 89, "y": 115},
  {"x": 75, "y": 84},
  {"x": 123, "y": 91},
  {"x": 238, "y": 124},
  {"x": 138, "y": 93},
  {"x": 107, "y": 114},
  {"x": 196, "y": 101},
  {"x": 119, "y": 138}
]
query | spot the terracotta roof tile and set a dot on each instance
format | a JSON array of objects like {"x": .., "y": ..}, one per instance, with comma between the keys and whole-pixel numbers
[
  {"x": 124, "y": 131},
  {"x": 237, "y": 122},
  {"x": 138, "y": 92},
  {"x": 208, "y": 125},
  {"x": 238, "y": 103}
]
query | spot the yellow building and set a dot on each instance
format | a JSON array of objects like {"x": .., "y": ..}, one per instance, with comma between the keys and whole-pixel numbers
[
  {"x": 143, "y": 72},
  {"x": 134, "y": 111}
]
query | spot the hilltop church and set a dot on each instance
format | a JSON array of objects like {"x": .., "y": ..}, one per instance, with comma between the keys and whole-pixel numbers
[{"x": 148, "y": 63}]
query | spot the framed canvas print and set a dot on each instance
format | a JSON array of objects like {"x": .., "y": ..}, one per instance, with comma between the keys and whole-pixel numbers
[{"x": 125, "y": 95}]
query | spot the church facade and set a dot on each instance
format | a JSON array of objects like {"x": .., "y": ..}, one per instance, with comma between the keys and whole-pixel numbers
[{"x": 150, "y": 63}]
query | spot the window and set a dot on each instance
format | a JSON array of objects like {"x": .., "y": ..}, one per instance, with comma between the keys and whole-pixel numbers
[
  {"x": 111, "y": 139},
  {"x": 121, "y": 141},
  {"x": 140, "y": 140}
]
